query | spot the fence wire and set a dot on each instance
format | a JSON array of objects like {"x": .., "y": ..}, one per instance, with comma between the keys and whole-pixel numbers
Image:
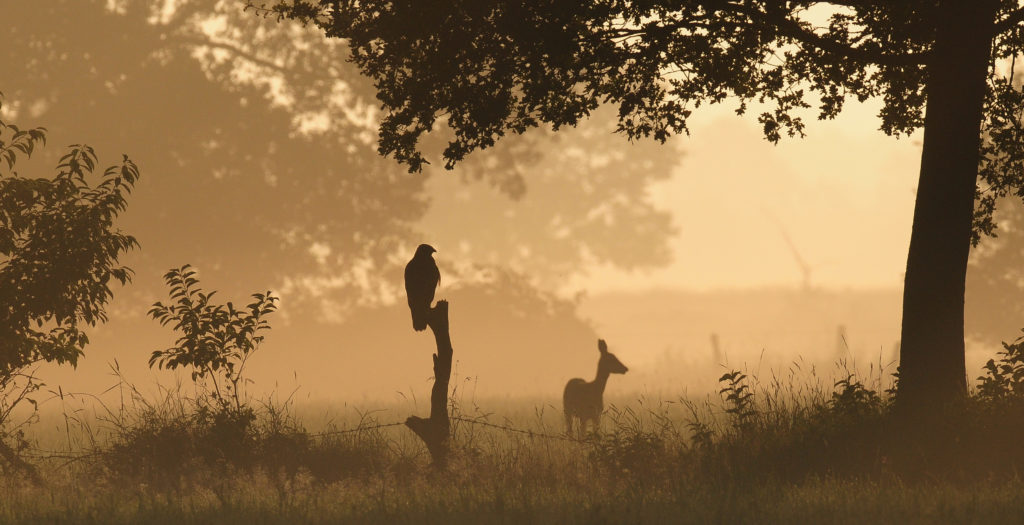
[
  {"x": 39, "y": 454},
  {"x": 361, "y": 428},
  {"x": 527, "y": 432}
]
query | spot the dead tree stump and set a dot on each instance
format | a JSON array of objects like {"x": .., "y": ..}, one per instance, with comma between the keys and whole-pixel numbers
[{"x": 436, "y": 430}]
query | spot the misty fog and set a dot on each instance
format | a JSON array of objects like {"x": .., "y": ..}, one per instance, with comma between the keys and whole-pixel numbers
[{"x": 259, "y": 168}]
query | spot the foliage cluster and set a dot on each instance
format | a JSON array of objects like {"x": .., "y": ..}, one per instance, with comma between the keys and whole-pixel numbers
[
  {"x": 219, "y": 433},
  {"x": 59, "y": 253},
  {"x": 659, "y": 62},
  {"x": 183, "y": 441},
  {"x": 1004, "y": 379},
  {"x": 58, "y": 250},
  {"x": 216, "y": 339}
]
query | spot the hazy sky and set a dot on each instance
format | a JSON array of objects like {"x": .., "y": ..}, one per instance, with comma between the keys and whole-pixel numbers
[{"x": 844, "y": 195}]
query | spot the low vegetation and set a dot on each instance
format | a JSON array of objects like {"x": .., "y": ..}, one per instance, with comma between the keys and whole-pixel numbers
[
  {"x": 782, "y": 448},
  {"x": 778, "y": 449}
]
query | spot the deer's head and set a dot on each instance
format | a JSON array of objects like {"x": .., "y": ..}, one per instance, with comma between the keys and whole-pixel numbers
[{"x": 608, "y": 360}]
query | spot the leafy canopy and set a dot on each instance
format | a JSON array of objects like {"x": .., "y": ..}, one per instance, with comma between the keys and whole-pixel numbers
[
  {"x": 485, "y": 68},
  {"x": 58, "y": 250}
]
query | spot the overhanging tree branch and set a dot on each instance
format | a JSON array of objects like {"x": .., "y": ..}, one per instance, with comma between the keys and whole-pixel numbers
[
  {"x": 237, "y": 51},
  {"x": 793, "y": 29},
  {"x": 853, "y": 3},
  {"x": 1011, "y": 20},
  {"x": 782, "y": 25}
]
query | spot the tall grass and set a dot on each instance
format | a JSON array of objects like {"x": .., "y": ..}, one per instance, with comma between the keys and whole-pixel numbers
[{"x": 789, "y": 447}]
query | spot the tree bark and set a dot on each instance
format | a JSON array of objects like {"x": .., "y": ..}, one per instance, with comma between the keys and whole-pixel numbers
[
  {"x": 435, "y": 430},
  {"x": 932, "y": 371}
]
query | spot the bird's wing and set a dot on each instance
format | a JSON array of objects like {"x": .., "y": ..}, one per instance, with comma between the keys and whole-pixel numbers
[{"x": 411, "y": 282}]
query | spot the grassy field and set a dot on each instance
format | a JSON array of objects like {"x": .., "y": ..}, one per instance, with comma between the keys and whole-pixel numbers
[
  {"x": 789, "y": 452},
  {"x": 473, "y": 497}
]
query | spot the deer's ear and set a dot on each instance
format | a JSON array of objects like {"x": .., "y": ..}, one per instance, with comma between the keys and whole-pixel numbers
[{"x": 602, "y": 346}]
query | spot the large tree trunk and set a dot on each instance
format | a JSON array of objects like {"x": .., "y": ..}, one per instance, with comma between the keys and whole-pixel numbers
[
  {"x": 435, "y": 430},
  {"x": 932, "y": 348}
]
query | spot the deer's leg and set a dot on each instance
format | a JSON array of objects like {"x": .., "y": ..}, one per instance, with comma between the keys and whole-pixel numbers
[{"x": 568, "y": 424}]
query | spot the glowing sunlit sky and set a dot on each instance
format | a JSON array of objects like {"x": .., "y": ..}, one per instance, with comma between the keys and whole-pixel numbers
[{"x": 844, "y": 196}]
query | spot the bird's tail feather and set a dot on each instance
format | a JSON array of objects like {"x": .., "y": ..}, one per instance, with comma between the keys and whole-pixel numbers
[{"x": 419, "y": 321}]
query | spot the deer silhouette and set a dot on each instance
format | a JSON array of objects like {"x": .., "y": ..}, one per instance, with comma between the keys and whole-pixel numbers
[{"x": 583, "y": 400}]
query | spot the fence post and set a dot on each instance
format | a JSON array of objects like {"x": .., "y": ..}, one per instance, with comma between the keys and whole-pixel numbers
[{"x": 435, "y": 430}]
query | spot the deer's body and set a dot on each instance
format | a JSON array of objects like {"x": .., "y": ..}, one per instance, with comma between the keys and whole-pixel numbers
[{"x": 584, "y": 400}]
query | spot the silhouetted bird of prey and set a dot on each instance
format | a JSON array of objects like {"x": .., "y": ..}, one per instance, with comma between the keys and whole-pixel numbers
[{"x": 421, "y": 278}]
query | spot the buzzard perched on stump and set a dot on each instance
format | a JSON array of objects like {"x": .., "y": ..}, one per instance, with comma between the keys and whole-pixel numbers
[{"x": 421, "y": 278}]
